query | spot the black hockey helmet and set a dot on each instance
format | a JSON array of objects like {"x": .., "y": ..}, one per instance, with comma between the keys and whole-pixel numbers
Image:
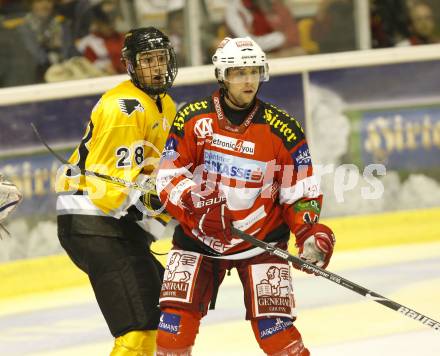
[{"x": 141, "y": 40}]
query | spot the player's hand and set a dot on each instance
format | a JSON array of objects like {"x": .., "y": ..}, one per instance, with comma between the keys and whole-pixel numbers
[
  {"x": 209, "y": 211},
  {"x": 315, "y": 244},
  {"x": 10, "y": 196},
  {"x": 151, "y": 202},
  {"x": 216, "y": 222},
  {"x": 198, "y": 199}
]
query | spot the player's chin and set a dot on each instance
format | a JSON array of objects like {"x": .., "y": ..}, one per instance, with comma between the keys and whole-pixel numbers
[
  {"x": 248, "y": 96},
  {"x": 155, "y": 85}
]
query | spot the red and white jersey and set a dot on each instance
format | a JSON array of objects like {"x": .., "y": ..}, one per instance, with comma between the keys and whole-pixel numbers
[{"x": 262, "y": 166}]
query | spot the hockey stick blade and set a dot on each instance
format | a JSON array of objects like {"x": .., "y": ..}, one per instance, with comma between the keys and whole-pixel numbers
[
  {"x": 2, "y": 227},
  {"x": 306, "y": 266},
  {"x": 115, "y": 180}
]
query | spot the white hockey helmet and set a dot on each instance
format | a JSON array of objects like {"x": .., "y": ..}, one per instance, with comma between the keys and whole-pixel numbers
[{"x": 239, "y": 52}]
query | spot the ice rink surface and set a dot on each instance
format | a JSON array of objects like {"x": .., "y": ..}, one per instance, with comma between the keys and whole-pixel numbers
[{"x": 333, "y": 320}]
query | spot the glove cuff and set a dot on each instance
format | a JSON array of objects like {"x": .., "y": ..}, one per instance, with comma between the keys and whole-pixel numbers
[{"x": 302, "y": 232}]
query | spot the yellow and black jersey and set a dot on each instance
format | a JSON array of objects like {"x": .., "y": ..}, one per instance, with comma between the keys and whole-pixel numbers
[{"x": 124, "y": 138}]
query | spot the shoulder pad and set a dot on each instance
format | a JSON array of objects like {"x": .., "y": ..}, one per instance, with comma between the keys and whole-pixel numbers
[
  {"x": 283, "y": 125},
  {"x": 190, "y": 110}
]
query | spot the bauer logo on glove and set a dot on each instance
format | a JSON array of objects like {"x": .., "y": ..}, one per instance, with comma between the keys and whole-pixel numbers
[{"x": 209, "y": 213}]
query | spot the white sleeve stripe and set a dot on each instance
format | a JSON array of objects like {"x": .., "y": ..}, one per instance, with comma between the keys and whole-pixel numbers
[
  {"x": 177, "y": 191},
  {"x": 254, "y": 232},
  {"x": 305, "y": 188},
  {"x": 251, "y": 219},
  {"x": 164, "y": 176},
  {"x": 201, "y": 224},
  {"x": 240, "y": 198}
]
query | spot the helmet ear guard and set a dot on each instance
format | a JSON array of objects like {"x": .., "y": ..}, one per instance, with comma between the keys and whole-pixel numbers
[
  {"x": 128, "y": 65},
  {"x": 218, "y": 75}
]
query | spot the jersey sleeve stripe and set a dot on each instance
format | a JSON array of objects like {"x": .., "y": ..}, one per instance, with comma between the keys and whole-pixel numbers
[
  {"x": 239, "y": 198},
  {"x": 251, "y": 219},
  {"x": 304, "y": 188},
  {"x": 83, "y": 150},
  {"x": 165, "y": 176},
  {"x": 177, "y": 191},
  {"x": 299, "y": 144}
]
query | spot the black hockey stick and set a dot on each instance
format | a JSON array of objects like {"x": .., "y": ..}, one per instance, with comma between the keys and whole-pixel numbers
[
  {"x": 306, "y": 266},
  {"x": 148, "y": 186}
]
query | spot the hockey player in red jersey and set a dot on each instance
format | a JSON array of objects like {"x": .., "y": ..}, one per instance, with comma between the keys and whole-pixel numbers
[{"x": 233, "y": 159}]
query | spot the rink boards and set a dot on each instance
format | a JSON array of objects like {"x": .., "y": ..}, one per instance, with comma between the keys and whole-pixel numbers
[
  {"x": 47, "y": 307},
  {"x": 352, "y": 233}
]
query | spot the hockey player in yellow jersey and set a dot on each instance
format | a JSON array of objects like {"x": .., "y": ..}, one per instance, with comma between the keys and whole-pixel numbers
[{"x": 105, "y": 228}]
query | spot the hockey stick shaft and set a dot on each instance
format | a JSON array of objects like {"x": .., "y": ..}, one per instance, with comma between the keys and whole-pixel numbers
[
  {"x": 306, "y": 266},
  {"x": 115, "y": 180}
]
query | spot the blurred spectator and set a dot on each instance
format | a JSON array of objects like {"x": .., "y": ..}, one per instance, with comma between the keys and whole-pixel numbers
[
  {"x": 119, "y": 11},
  {"x": 11, "y": 15},
  {"x": 435, "y": 5},
  {"x": 73, "y": 69},
  {"x": 40, "y": 40},
  {"x": 269, "y": 22},
  {"x": 389, "y": 22},
  {"x": 78, "y": 13},
  {"x": 103, "y": 45},
  {"x": 333, "y": 29},
  {"x": 152, "y": 13},
  {"x": 12, "y": 8},
  {"x": 213, "y": 28},
  {"x": 175, "y": 29},
  {"x": 306, "y": 41},
  {"x": 421, "y": 25}
]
